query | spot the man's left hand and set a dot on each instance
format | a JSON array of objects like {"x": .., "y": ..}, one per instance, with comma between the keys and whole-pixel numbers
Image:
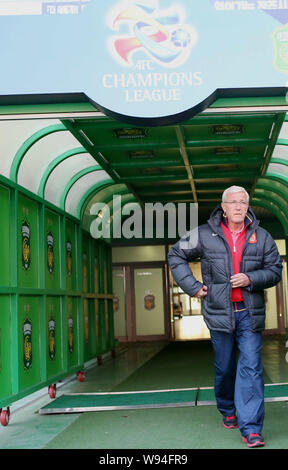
[{"x": 240, "y": 280}]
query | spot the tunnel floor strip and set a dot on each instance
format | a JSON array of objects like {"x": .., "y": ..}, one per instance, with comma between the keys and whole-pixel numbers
[
  {"x": 82, "y": 402},
  {"x": 77, "y": 403}
]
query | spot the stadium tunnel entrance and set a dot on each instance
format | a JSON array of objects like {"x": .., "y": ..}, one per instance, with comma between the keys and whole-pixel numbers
[{"x": 77, "y": 272}]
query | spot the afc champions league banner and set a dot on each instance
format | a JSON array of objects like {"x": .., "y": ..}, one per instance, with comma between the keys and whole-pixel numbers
[{"x": 147, "y": 59}]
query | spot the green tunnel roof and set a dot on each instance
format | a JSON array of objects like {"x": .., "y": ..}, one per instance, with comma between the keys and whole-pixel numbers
[{"x": 72, "y": 156}]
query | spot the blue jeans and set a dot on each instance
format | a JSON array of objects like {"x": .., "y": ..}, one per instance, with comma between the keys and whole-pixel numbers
[{"x": 239, "y": 385}]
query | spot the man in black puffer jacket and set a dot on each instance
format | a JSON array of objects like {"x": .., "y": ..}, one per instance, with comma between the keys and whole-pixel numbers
[{"x": 239, "y": 260}]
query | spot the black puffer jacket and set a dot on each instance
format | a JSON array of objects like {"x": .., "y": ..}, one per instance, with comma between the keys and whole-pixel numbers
[{"x": 260, "y": 261}]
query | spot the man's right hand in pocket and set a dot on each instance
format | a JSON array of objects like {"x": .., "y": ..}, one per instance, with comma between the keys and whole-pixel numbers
[{"x": 202, "y": 292}]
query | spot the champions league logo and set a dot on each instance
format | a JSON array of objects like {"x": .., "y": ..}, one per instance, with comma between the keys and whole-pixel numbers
[{"x": 161, "y": 35}]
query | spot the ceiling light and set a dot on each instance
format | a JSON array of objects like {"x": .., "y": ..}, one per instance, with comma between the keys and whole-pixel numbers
[
  {"x": 130, "y": 133},
  {"x": 227, "y": 129},
  {"x": 142, "y": 154},
  {"x": 227, "y": 150}
]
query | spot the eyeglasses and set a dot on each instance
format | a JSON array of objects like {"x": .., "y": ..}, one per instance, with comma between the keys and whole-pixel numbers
[{"x": 235, "y": 203}]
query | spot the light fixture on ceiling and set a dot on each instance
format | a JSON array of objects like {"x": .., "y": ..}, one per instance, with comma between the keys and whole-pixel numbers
[
  {"x": 130, "y": 133},
  {"x": 141, "y": 154},
  {"x": 227, "y": 129},
  {"x": 229, "y": 150}
]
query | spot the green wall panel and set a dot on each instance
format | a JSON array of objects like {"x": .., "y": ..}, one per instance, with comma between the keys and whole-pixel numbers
[
  {"x": 27, "y": 235},
  {"x": 5, "y": 236},
  {"x": 73, "y": 332},
  {"x": 52, "y": 250},
  {"x": 96, "y": 268},
  {"x": 71, "y": 259},
  {"x": 86, "y": 259},
  {"x": 102, "y": 325},
  {"x": 48, "y": 328},
  {"x": 107, "y": 326},
  {"x": 90, "y": 341},
  {"x": 109, "y": 315},
  {"x": 97, "y": 326},
  {"x": 29, "y": 341},
  {"x": 54, "y": 336},
  {"x": 5, "y": 344}
]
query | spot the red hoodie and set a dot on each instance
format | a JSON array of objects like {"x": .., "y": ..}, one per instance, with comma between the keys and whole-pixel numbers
[{"x": 236, "y": 250}]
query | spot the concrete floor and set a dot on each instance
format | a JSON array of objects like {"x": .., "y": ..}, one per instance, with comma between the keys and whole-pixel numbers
[{"x": 192, "y": 428}]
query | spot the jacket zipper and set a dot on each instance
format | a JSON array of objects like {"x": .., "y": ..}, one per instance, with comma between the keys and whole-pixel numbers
[
  {"x": 241, "y": 266},
  {"x": 230, "y": 285}
]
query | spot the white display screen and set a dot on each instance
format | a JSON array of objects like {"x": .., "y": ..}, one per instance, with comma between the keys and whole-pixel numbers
[{"x": 142, "y": 58}]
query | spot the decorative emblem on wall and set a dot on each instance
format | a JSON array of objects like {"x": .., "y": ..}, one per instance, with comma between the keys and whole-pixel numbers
[
  {"x": 27, "y": 343},
  {"x": 69, "y": 257},
  {"x": 26, "y": 248},
  {"x": 70, "y": 334},
  {"x": 51, "y": 333},
  {"x": 50, "y": 252},
  {"x": 149, "y": 301},
  {"x": 115, "y": 303}
]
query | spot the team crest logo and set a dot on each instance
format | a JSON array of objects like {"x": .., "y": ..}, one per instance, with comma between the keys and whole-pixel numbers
[
  {"x": 27, "y": 343},
  {"x": 69, "y": 258},
  {"x": 51, "y": 333},
  {"x": 115, "y": 304},
  {"x": 253, "y": 238},
  {"x": 162, "y": 36},
  {"x": 70, "y": 334},
  {"x": 280, "y": 42},
  {"x": 26, "y": 251},
  {"x": 149, "y": 302},
  {"x": 50, "y": 252}
]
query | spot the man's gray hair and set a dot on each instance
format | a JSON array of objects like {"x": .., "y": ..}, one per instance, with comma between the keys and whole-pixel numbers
[{"x": 234, "y": 189}]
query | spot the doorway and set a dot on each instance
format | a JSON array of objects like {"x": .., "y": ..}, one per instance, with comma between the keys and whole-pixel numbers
[
  {"x": 140, "y": 302},
  {"x": 186, "y": 312},
  {"x": 276, "y": 305}
]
